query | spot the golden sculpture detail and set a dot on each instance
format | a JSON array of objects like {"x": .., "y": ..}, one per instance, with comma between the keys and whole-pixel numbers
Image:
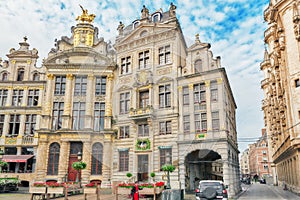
[{"x": 85, "y": 17}]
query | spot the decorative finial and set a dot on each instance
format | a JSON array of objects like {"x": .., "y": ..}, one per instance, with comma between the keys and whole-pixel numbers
[
  {"x": 85, "y": 17},
  {"x": 25, "y": 38},
  {"x": 197, "y": 37}
]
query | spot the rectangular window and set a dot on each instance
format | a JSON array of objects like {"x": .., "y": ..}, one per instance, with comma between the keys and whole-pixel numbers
[
  {"x": 14, "y": 125},
  {"x": 266, "y": 167},
  {"x": 100, "y": 86},
  {"x": 165, "y": 128},
  {"x": 215, "y": 120},
  {"x": 197, "y": 123},
  {"x": 30, "y": 123},
  {"x": 186, "y": 100},
  {"x": 80, "y": 85},
  {"x": 124, "y": 102},
  {"x": 2, "y": 117},
  {"x": 78, "y": 115},
  {"x": 60, "y": 85},
  {"x": 124, "y": 132},
  {"x": 144, "y": 99},
  {"x": 144, "y": 60},
  {"x": 165, "y": 156},
  {"x": 203, "y": 122},
  {"x": 123, "y": 161},
  {"x": 164, "y": 55},
  {"x": 186, "y": 123},
  {"x": 164, "y": 96},
  {"x": 199, "y": 93},
  {"x": 126, "y": 65},
  {"x": 143, "y": 130},
  {"x": 213, "y": 91},
  {"x": 58, "y": 109},
  {"x": 99, "y": 112},
  {"x": 17, "y": 97},
  {"x": 3, "y": 97},
  {"x": 33, "y": 98}
]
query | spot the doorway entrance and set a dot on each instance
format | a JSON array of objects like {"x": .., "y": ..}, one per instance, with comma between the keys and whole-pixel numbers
[
  {"x": 75, "y": 147},
  {"x": 142, "y": 167}
]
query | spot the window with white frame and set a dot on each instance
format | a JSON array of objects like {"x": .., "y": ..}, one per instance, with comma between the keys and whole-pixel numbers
[
  {"x": 185, "y": 93},
  {"x": 215, "y": 120},
  {"x": 213, "y": 91},
  {"x": 124, "y": 102},
  {"x": 144, "y": 99},
  {"x": 144, "y": 59},
  {"x": 165, "y": 96},
  {"x": 123, "y": 160},
  {"x": 30, "y": 123},
  {"x": 58, "y": 109},
  {"x": 14, "y": 125},
  {"x": 78, "y": 115},
  {"x": 165, "y": 127},
  {"x": 99, "y": 112},
  {"x": 165, "y": 156},
  {"x": 203, "y": 122},
  {"x": 17, "y": 97},
  {"x": 100, "y": 88},
  {"x": 124, "y": 132},
  {"x": 199, "y": 93},
  {"x": 33, "y": 98},
  {"x": 60, "y": 85},
  {"x": 80, "y": 86},
  {"x": 143, "y": 130},
  {"x": 2, "y": 117},
  {"x": 3, "y": 97},
  {"x": 125, "y": 65},
  {"x": 164, "y": 55},
  {"x": 186, "y": 123}
]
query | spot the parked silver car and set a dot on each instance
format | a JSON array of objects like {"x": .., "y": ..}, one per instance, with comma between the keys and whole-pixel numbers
[{"x": 211, "y": 189}]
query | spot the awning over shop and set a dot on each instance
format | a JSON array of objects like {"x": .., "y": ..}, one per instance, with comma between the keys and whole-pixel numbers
[{"x": 16, "y": 158}]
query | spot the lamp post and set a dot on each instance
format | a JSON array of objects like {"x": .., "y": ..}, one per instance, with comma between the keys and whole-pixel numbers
[{"x": 79, "y": 157}]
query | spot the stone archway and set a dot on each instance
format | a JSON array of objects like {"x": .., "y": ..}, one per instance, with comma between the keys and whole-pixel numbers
[{"x": 202, "y": 164}]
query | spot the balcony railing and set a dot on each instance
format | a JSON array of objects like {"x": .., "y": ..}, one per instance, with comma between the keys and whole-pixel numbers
[{"x": 141, "y": 113}]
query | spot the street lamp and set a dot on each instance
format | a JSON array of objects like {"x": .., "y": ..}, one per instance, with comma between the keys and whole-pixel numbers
[{"x": 79, "y": 157}]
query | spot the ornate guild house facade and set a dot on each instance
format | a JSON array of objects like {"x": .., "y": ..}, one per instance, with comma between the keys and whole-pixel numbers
[
  {"x": 145, "y": 102},
  {"x": 281, "y": 86}
]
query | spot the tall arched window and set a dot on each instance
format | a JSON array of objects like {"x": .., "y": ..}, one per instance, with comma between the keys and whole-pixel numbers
[
  {"x": 198, "y": 66},
  {"x": 53, "y": 159},
  {"x": 97, "y": 154},
  {"x": 20, "y": 74},
  {"x": 4, "y": 76}
]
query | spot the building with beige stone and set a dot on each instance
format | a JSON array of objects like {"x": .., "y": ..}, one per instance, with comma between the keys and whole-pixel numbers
[
  {"x": 281, "y": 87},
  {"x": 148, "y": 101},
  {"x": 22, "y": 89},
  {"x": 244, "y": 163}
]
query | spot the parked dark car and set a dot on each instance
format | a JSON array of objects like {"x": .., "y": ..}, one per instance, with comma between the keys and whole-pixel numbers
[
  {"x": 211, "y": 189},
  {"x": 262, "y": 181}
]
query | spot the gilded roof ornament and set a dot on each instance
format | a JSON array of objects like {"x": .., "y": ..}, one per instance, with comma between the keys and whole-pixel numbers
[{"x": 85, "y": 17}]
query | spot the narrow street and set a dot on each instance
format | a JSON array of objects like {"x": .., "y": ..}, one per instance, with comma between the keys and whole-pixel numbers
[{"x": 257, "y": 191}]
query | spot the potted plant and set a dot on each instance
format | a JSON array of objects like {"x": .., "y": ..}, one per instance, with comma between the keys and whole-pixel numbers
[
  {"x": 168, "y": 168},
  {"x": 129, "y": 175},
  {"x": 55, "y": 188},
  {"x": 38, "y": 187},
  {"x": 152, "y": 175},
  {"x": 2, "y": 164},
  {"x": 90, "y": 188},
  {"x": 124, "y": 188},
  {"x": 78, "y": 166}
]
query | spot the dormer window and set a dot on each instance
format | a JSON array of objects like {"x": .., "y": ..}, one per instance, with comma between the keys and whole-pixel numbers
[
  {"x": 156, "y": 17},
  {"x": 4, "y": 76},
  {"x": 36, "y": 77},
  {"x": 20, "y": 74},
  {"x": 135, "y": 24}
]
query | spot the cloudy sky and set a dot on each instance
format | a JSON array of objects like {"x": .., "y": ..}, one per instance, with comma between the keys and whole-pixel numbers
[{"x": 233, "y": 27}]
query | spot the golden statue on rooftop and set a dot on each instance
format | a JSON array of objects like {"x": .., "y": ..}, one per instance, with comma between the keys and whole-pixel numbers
[{"x": 85, "y": 17}]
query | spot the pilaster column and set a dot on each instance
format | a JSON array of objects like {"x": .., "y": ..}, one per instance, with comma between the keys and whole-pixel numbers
[
  {"x": 63, "y": 160},
  {"x": 66, "y": 123},
  {"x": 41, "y": 88},
  {"x": 108, "y": 102},
  {"x": 49, "y": 92},
  {"x": 89, "y": 101},
  {"x": 22, "y": 128},
  {"x": 9, "y": 96},
  {"x": 107, "y": 152},
  {"x": 86, "y": 157},
  {"x": 41, "y": 160},
  {"x": 25, "y": 97}
]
